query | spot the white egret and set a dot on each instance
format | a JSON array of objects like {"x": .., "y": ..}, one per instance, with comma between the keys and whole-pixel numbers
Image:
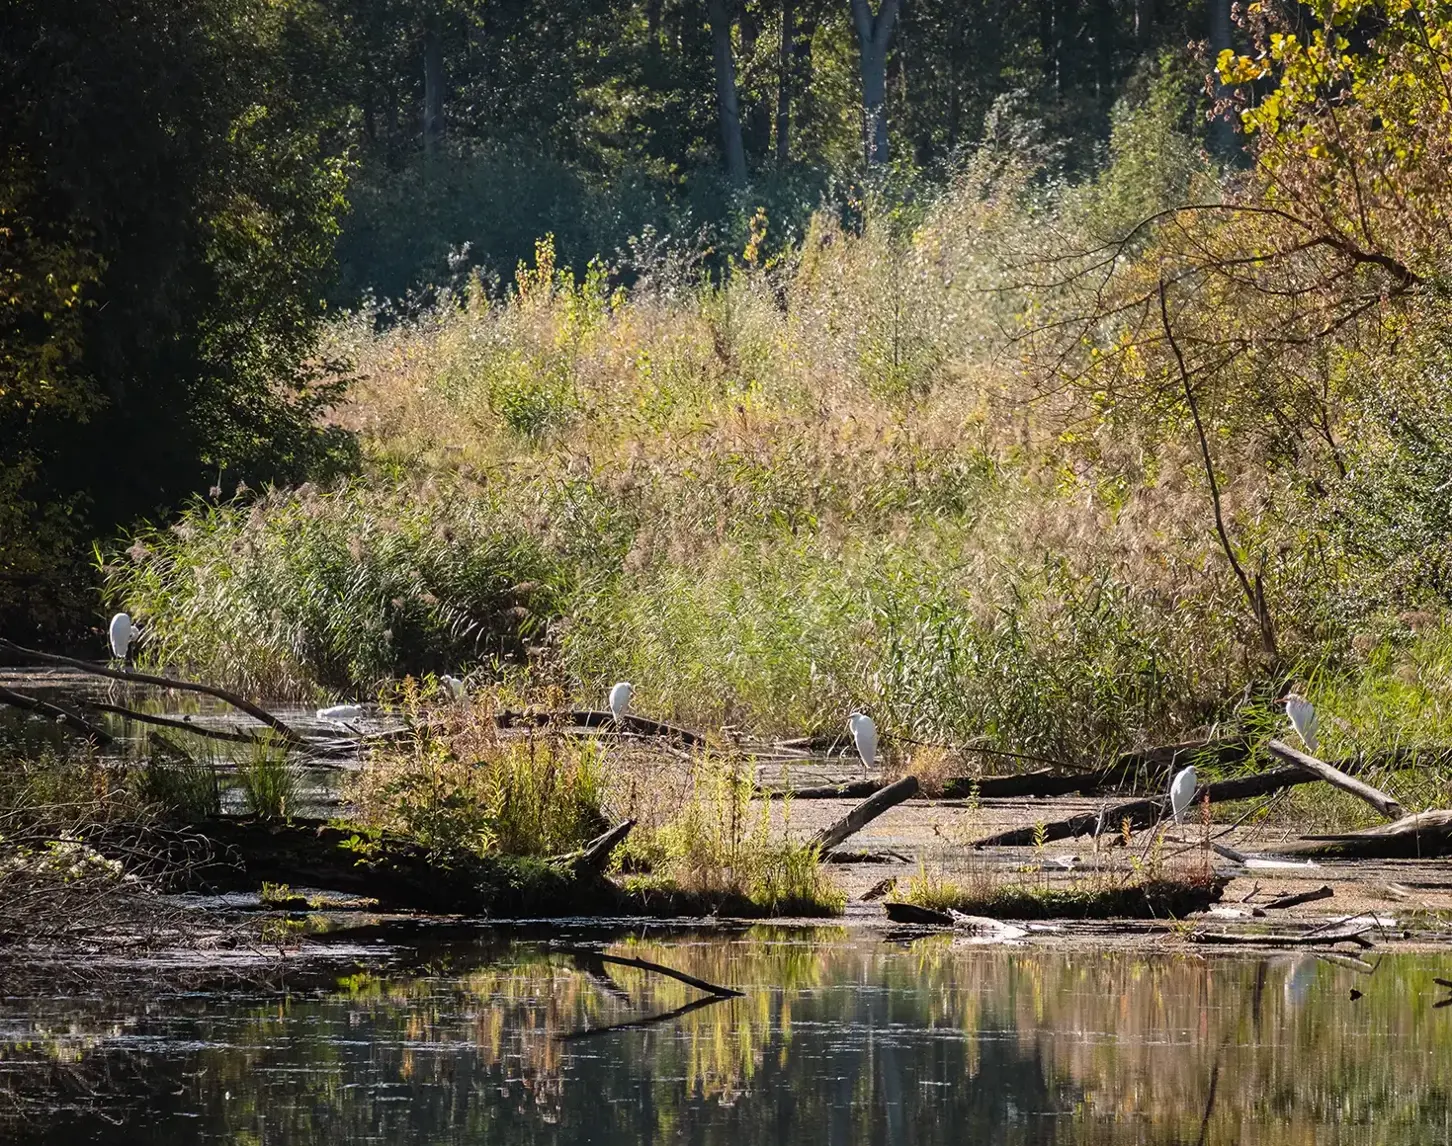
[
  {"x": 1182, "y": 791},
  {"x": 454, "y": 685},
  {"x": 1303, "y": 718},
  {"x": 864, "y": 735},
  {"x": 122, "y": 632},
  {"x": 341, "y": 712},
  {"x": 620, "y": 696}
]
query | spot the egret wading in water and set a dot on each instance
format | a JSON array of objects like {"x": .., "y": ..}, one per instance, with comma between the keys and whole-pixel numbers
[
  {"x": 341, "y": 712},
  {"x": 1182, "y": 791},
  {"x": 620, "y": 696},
  {"x": 122, "y": 633},
  {"x": 1303, "y": 718},
  {"x": 864, "y": 735}
]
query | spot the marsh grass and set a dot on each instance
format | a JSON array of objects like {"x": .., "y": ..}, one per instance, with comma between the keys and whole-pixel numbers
[
  {"x": 268, "y": 780},
  {"x": 183, "y": 786}
]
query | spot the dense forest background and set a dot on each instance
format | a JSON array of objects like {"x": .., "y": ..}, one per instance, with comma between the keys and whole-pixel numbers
[
  {"x": 1056, "y": 374},
  {"x": 191, "y": 188}
]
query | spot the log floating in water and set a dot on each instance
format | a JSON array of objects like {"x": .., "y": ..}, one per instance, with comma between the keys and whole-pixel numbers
[
  {"x": 1354, "y": 932},
  {"x": 1334, "y": 776},
  {"x": 237, "y": 702},
  {"x": 912, "y": 913},
  {"x": 865, "y": 812},
  {"x": 70, "y": 719}
]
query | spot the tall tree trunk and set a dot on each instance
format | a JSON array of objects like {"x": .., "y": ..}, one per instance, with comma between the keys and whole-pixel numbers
[
  {"x": 1222, "y": 129},
  {"x": 433, "y": 110},
  {"x": 732, "y": 150},
  {"x": 784, "y": 64},
  {"x": 873, "y": 36}
]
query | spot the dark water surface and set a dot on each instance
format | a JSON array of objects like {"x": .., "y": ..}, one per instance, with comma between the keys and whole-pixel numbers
[{"x": 840, "y": 1038}]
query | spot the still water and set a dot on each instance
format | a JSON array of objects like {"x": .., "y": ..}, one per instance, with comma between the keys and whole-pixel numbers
[{"x": 840, "y": 1038}]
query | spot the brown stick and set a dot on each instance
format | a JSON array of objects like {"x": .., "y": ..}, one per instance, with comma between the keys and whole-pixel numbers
[
  {"x": 1334, "y": 776},
  {"x": 69, "y": 719},
  {"x": 865, "y": 812},
  {"x": 1323, "y": 892},
  {"x": 645, "y": 965},
  {"x": 231, "y": 698}
]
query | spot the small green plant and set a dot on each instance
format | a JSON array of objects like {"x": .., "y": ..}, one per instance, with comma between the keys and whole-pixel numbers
[{"x": 268, "y": 781}]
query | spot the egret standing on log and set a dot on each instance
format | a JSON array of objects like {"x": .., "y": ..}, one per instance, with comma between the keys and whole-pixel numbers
[
  {"x": 123, "y": 632},
  {"x": 864, "y": 735},
  {"x": 1303, "y": 718},
  {"x": 1182, "y": 791},
  {"x": 620, "y": 698}
]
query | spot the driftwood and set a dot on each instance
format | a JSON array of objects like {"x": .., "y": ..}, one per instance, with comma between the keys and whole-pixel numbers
[
  {"x": 1422, "y": 835},
  {"x": 865, "y": 812},
  {"x": 595, "y": 856},
  {"x": 658, "y": 969},
  {"x": 237, "y": 702},
  {"x": 1143, "y": 813},
  {"x": 70, "y": 719},
  {"x": 1325, "y": 891},
  {"x": 1352, "y": 932},
  {"x": 235, "y": 853},
  {"x": 912, "y": 913},
  {"x": 172, "y": 722},
  {"x": 585, "y": 718},
  {"x": 1379, "y": 800}
]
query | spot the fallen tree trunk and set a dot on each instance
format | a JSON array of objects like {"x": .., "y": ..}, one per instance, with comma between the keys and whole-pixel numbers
[
  {"x": 1325, "y": 891},
  {"x": 1143, "y": 813},
  {"x": 586, "y": 718},
  {"x": 172, "y": 722},
  {"x": 1379, "y": 800},
  {"x": 70, "y": 719},
  {"x": 1423, "y": 835},
  {"x": 230, "y": 854},
  {"x": 865, "y": 812},
  {"x": 237, "y": 702},
  {"x": 1351, "y": 934}
]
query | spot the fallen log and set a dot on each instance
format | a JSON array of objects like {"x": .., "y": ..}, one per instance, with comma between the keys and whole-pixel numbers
[
  {"x": 865, "y": 812},
  {"x": 912, "y": 913},
  {"x": 1379, "y": 800},
  {"x": 1423, "y": 835},
  {"x": 70, "y": 719},
  {"x": 1355, "y": 935},
  {"x": 1144, "y": 813},
  {"x": 237, "y": 702},
  {"x": 228, "y": 853},
  {"x": 658, "y": 969},
  {"x": 1325, "y": 891},
  {"x": 171, "y": 722},
  {"x": 585, "y": 718}
]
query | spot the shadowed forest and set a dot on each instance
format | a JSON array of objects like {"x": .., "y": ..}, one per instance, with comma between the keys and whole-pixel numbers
[{"x": 1056, "y": 376}]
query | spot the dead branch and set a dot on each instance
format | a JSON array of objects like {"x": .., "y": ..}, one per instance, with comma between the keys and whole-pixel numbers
[
  {"x": 1325, "y": 891},
  {"x": 865, "y": 812},
  {"x": 1352, "y": 933},
  {"x": 237, "y": 702},
  {"x": 658, "y": 969},
  {"x": 182, "y": 725},
  {"x": 70, "y": 719},
  {"x": 1379, "y": 800},
  {"x": 585, "y": 718},
  {"x": 595, "y": 855}
]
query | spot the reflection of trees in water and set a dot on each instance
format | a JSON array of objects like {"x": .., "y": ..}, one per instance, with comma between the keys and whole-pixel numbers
[{"x": 836, "y": 1040}]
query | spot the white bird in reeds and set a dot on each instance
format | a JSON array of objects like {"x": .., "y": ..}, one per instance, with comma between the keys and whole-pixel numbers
[
  {"x": 454, "y": 685},
  {"x": 1182, "y": 791},
  {"x": 864, "y": 735},
  {"x": 341, "y": 712},
  {"x": 1303, "y": 718},
  {"x": 620, "y": 696},
  {"x": 122, "y": 633}
]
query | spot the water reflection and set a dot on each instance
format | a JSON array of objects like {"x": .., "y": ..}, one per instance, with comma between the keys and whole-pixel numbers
[{"x": 839, "y": 1039}]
